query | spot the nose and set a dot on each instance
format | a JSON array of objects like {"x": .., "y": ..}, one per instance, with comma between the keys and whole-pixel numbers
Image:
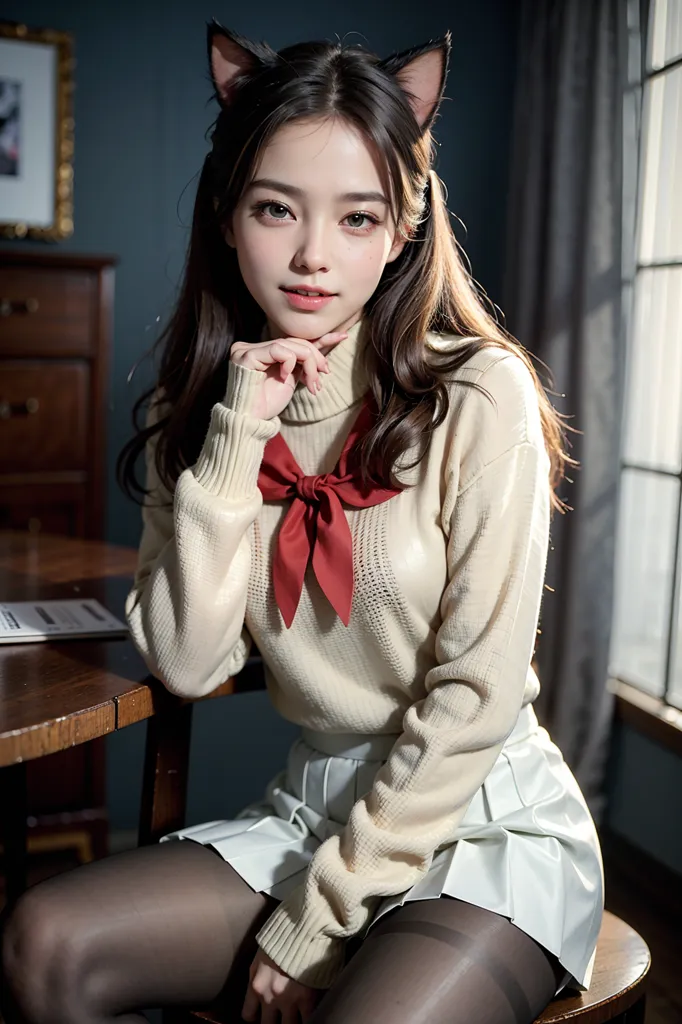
[{"x": 312, "y": 254}]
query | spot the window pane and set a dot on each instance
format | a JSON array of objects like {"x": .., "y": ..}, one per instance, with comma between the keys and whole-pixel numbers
[
  {"x": 666, "y": 32},
  {"x": 661, "y": 197},
  {"x": 653, "y": 410},
  {"x": 643, "y": 580}
]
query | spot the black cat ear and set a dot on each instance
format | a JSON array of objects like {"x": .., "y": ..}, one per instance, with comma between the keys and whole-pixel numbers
[
  {"x": 231, "y": 55},
  {"x": 421, "y": 72}
]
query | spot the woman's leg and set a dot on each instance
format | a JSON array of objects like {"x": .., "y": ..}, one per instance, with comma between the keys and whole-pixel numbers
[
  {"x": 442, "y": 961},
  {"x": 162, "y": 925}
]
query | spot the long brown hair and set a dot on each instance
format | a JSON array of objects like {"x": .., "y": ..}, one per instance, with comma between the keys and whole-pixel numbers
[{"x": 426, "y": 288}]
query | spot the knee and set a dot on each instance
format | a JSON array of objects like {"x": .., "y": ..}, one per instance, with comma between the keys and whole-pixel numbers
[{"x": 41, "y": 958}]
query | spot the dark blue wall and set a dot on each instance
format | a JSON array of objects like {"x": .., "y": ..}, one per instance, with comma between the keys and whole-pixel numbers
[{"x": 141, "y": 112}]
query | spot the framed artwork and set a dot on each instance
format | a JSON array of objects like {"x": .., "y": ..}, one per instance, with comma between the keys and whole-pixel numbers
[{"x": 36, "y": 132}]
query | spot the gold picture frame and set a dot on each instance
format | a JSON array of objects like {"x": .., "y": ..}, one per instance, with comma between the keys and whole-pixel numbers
[{"x": 36, "y": 132}]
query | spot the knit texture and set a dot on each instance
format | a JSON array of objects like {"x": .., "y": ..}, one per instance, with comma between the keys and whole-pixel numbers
[{"x": 448, "y": 584}]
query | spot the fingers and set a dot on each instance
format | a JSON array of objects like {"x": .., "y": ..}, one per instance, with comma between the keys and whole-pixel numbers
[
  {"x": 290, "y": 1015},
  {"x": 290, "y": 352},
  {"x": 286, "y": 354},
  {"x": 276, "y": 999},
  {"x": 308, "y": 365},
  {"x": 328, "y": 341},
  {"x": 251, "y": 1005},
  {"x": 269, "y": 1014},
  {"x": 280, "y": 1012},
  {"x": 315, "y": 362},
  {"x": 274, "y": 1012}
]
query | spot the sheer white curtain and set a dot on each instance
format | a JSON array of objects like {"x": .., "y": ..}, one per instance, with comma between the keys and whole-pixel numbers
[{"x": 565, "y": 300}]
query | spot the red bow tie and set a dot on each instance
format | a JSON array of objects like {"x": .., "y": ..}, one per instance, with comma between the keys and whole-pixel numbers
[{"x": 316, "y": 521}]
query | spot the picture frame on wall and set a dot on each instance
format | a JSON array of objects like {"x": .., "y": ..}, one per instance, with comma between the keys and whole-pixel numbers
[{"x": 36, "y": 132}]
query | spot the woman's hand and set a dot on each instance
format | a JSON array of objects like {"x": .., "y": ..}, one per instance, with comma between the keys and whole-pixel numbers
[
  {"x": 276, "y": 993},
  {"x": 284, "y": 361}
]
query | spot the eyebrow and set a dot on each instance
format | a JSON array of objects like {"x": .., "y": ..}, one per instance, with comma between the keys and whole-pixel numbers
[{"x": 293, "y": 190}]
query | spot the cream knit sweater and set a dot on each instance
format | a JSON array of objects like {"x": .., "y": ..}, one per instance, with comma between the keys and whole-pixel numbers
[{"x": 448, "y": 584}]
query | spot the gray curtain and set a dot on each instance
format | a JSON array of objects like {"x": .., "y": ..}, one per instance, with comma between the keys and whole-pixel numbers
[{"x": 566, "y": 298}]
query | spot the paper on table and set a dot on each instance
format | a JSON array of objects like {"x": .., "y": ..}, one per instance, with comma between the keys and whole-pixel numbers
[{"x": 30, "y": 621}]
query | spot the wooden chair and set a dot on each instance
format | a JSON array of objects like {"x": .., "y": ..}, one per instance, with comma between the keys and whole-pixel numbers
[{"x": 618, "y": 988}]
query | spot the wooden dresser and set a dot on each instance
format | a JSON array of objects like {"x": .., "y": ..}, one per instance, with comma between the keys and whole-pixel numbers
[
  {"x": 55, "y": 339},
  {"x": 56, "y": 312}
]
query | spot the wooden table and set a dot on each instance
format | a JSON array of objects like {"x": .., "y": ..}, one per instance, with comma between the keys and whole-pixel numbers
[{"x": 58, "y": 693}]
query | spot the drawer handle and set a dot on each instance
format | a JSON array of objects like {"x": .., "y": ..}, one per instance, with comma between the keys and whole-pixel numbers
[
  {"x": 9, "y": 306},
  {"x": 26, "y": 408}
]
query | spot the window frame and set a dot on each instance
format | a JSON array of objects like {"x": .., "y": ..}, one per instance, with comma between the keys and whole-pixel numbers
[{"x": 653, "y": 715}]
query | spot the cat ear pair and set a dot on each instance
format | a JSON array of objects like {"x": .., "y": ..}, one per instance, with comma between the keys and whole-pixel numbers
[{"x": 420, "y": 70}]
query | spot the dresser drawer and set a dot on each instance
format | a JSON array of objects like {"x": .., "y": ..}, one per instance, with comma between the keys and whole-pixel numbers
[
  {"x": 44, "y": 508},
  {"x": 46, "y": 311},
  {"x": 43, "y": 416}
]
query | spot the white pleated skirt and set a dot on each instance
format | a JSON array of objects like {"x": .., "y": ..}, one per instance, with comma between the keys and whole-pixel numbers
[{"x": 526, "y": 848}]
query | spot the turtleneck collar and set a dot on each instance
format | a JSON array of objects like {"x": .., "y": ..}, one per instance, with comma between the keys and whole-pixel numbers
[{"x": 344, "y": 385}]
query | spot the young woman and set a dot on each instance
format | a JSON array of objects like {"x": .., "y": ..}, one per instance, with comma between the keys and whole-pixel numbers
[{"x": 361, "y": 480}]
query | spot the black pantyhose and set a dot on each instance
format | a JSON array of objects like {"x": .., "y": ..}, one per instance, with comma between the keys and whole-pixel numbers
[
  {"x": 169, "y": 924},
  {"x": 174, "y": 925},
  {"x": 442, "y": 961}
]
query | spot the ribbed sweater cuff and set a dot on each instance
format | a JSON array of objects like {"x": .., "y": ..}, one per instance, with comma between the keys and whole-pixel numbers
[
  {"x": 243, "y": 388},
  {"x": 300, "y": 950},
  {"x": 232, "y": 452}
]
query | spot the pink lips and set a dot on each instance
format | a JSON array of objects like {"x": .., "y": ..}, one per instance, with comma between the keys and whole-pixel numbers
[{"x": 307, "y": 301}]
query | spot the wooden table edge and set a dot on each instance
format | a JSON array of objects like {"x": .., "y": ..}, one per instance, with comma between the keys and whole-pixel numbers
[{"x": 57, "y": 734}]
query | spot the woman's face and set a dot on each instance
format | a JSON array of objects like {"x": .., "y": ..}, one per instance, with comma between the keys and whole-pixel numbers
[{"x": 299, "y": 230}]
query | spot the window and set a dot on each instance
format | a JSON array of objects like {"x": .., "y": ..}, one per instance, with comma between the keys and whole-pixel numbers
[{"x": 646, "y": 644}]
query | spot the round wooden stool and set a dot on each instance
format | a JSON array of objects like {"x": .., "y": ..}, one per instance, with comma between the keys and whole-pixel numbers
[
  {"x": 616, "y": 993},
  {"x": 618, "y": 988}
]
